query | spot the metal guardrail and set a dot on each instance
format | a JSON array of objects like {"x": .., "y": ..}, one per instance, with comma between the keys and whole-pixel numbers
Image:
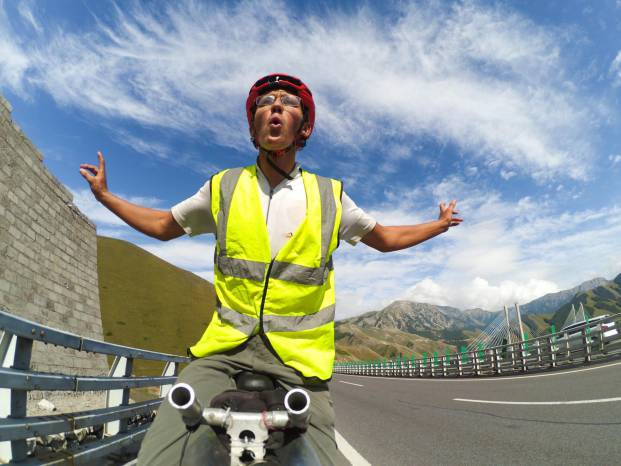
[
  {"x": 580, "y": 345},
  {"x": 16, "y": 379}
]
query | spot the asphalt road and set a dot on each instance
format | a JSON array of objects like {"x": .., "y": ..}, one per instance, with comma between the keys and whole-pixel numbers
[{"x": 419, "y": 422}]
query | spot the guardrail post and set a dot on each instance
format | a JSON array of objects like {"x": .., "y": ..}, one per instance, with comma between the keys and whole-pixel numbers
[
  {"x": 459, "y": 364},
  {"x": 496, "y": 361},
  {"x": 586, "y": 341},
  {"x": 601, "y": 339},
  {"x": 524, "y": 352},
  {"x": 122, "y": 367},
  {"x": 567, "y": 346},
  {"x": 475, "y": 362},
  {"x": 170, "y": 369},
  {"x": 7, "y": 354},
  {"x": 552, "y": 347},
  {"x": 17, "y": 352}
]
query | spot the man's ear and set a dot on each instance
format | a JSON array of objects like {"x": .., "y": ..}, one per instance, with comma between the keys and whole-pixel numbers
[{"x": 305, "y": 131}]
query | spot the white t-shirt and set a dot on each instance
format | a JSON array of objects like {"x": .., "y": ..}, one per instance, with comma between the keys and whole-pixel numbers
[{"x": 284, "y": 210}]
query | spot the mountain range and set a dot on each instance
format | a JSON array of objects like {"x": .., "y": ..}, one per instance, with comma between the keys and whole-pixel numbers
[{"x": 409, "y": 328}]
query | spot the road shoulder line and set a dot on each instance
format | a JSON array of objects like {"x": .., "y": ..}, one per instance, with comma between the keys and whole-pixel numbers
[
  {"x": 355, "y": 458},
  {"x": 539, "y": 403}
]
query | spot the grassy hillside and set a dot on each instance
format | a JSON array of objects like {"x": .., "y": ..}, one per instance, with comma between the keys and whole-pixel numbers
[
  {"x": 363, "y": 343},
  {"x": 538, "y": 322},
  {"x": 605, "y": 299},
  {"x": 148, "y": 303}
]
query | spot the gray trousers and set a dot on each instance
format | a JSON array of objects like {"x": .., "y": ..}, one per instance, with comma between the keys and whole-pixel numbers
[{"x": 168, "y": 439}]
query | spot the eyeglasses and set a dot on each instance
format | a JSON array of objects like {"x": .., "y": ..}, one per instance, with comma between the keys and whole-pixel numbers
[{"x": 288, "y": 100}]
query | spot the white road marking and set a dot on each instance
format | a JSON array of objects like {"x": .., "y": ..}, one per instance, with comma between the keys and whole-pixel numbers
[
  {"x": 485, "y": 378},
  {"x": 577, "y": 402},
  {"x": 349, "y": 452},
  {"x": 351, "y": 383}
]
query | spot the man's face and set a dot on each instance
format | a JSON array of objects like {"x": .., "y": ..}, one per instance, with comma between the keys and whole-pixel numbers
[{"x": 276, "y": 126}]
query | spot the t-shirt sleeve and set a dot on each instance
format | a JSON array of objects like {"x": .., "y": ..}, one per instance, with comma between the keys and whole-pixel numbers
[
  {"x": 194, "y": 214},
  {"x": 355, "y": 222}
]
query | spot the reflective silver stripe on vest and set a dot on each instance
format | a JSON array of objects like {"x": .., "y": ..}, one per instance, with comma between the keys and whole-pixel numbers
[
  {"x": 328, "y": 214},
  {"x": 241, "y": 268},
  {"x": 300, "y": 273},
  {"x": 297, "y": 323},
  {"x": 242, "y": 322},
  {"x": 227, "y": 186}
]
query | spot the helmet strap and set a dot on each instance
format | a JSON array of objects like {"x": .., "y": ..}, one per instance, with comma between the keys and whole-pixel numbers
[{"x": 268, "y": 156}]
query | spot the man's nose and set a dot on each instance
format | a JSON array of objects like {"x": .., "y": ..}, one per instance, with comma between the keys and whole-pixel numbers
[{"x": 277, "y": 106}]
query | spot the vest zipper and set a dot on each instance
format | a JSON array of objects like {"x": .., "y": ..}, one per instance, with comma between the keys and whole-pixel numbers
[
  {"x": 267, "y": 280},
  {"x": 269, "y": 269},
  {"x": 269, "y": 203}
]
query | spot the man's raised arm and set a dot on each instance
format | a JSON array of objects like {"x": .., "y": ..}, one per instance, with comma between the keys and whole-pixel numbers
[
  {"x": 158, "y": 224},
  {"x": 394, "y": 238}
]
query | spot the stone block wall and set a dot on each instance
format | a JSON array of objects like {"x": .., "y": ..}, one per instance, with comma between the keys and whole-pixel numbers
[{"x": 48, "y": 254}]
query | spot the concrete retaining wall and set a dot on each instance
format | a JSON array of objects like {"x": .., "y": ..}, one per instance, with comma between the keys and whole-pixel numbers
[{"x": 48, "y": 256}]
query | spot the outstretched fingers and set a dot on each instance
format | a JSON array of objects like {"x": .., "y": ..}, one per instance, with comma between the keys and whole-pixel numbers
[
  {"x": 448, "y": 212},
  {"x": 102, "y": 162},
  {"x": 91, "y": 168}
]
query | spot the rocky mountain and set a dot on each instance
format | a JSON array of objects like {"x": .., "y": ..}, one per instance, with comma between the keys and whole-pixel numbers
[
  {"x": 423, "y": 319},
  {"x": 551, "y": 302},
  {"x": 405, "y": 328}
]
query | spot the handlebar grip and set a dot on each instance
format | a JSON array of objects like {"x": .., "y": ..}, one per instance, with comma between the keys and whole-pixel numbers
[{"x": 182, "y": 397}]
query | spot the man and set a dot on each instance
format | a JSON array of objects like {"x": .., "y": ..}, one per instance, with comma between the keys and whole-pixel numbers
[{"x": 276, "y": 228}]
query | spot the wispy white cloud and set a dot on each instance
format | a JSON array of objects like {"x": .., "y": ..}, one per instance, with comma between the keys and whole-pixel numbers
[
  {"x": 14, "y": 62},
  {"x": 162, "y": 151},
  {"x": 481, "y": 77},
  {"x": 615, "y": 159},
  {"x": 142, "y": 146},
  {"x": 615, "y": 68},
  {"x": 25, "y": 10}
]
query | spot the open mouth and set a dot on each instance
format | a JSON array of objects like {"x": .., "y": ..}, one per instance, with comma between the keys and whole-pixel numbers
[{"x": 275, "y": 122}]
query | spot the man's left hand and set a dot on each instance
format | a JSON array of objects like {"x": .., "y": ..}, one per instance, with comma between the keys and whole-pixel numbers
[{"x": 447, "y": 214}]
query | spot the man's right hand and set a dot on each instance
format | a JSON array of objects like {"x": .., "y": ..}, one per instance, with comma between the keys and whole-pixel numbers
[
  {"x": 97, "y": 177},
  {"x": 158, "y": 224}
]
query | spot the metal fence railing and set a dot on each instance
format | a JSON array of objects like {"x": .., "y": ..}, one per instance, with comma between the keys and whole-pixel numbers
[
  {"x": 16, "y": 380},
  {"x": 581, "y": 344}
]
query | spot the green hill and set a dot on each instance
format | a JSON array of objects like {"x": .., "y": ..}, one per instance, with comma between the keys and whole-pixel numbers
[
  {"x": 148, "y": 303},
  {"x": 604, "y": 299}
]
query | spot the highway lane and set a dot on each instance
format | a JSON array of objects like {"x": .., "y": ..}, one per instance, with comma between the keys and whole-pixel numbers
[{"x": 419, "y": 422}]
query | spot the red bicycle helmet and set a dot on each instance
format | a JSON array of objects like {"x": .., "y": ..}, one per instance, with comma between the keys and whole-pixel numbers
[{"x": 286, "y": 82}]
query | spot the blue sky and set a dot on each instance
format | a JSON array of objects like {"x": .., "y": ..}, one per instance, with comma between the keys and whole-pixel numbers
[{"x": 512, "y": 108}]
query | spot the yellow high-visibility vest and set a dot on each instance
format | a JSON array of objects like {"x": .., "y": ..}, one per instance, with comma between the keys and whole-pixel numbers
[{"x": 290, "y": 298}]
